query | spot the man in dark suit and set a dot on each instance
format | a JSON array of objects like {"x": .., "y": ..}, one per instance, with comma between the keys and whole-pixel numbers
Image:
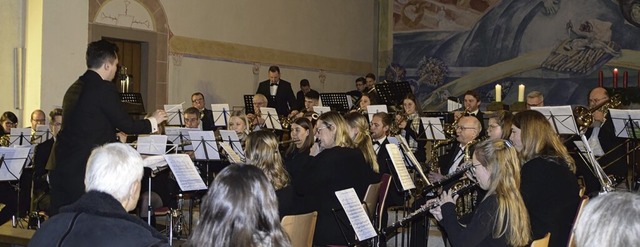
[
  {"x": 305, "y": 87},
  {"x": 92, "y": 113},
  {"x": 40, "y": 188},
  {"x": 279, "y": 93},
  {"x": 197, "y": 101}
]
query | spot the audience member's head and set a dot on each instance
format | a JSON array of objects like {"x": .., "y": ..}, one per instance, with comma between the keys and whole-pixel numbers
[
  {"x": 240, "y": 209},
  {"x": 610, "y": 219},
  {"x": 191, "y": 118},
  {"x": 8, "y": 120},
  {"x": 535, "y": 99},
  {"x": 115, "y": 169},
  {"x": 38, "y": 117}
]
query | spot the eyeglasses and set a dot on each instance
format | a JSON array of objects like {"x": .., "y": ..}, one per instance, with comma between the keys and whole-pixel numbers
[
  {"x": 197, "y": 100},
  {"x": 464, "y": 128},
  {"x": 321, "y": 128},
  {"x": 40, "y": 121}
]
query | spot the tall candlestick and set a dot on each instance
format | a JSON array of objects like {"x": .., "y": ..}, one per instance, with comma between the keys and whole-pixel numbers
[
  {"x": 498, "y": 93},
  {"x": 625, "y": 79},
  {"x": 521, "y": 93},
  {"x": 615, "y": 77},
  {"x": 600, "y": 78}
]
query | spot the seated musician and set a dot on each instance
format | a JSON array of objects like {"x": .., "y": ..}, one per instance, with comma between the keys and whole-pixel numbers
[
  {"x": 499, "y": 125},
  {"x": 311, "y": 99},
  {"x": 358, "y": 128},
  {"x": 40, "y": 189},
  {"x": 381, "y": 124},
  {"x": 238, "y": 123},
  {"x": 263, "y": 152},
  {"x": 100, "y": 216},
  {"x": 411, "y": 127},
  {"x": 197, "y": 101},
  {"x": 8, "y": 121},
  {"x": 466, "y": 132},
  {"x": 364, "y": 101},
  {"x": 500, "y": 219},
  {"x": 336, "y": 165},
  {"x": 297, "y": 154},
  {"x": 604, "y": 143},
  {"x": 255, "y": 119}
]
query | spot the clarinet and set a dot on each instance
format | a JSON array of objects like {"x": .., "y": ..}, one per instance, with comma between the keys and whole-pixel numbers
[
  {"x": 423, "y": 209},
  {"x": 447, "y": 179}
]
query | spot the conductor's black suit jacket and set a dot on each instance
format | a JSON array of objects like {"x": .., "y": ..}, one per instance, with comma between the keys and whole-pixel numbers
[
  {"x": 285, "y": 99},
  {"x": 92, "y": 112}
]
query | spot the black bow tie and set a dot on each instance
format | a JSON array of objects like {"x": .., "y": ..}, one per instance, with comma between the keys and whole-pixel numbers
[
  {"x": 376, "y": 143},
  {"x": 274, "y": 84}
]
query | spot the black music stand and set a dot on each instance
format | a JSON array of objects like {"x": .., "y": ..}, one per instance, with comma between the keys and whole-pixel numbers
[
  {"x": 232, "y": 138},
  {"x": 248, "y": 104},
  {"x": 205, "y": 149},
  {"x": 358, "y": 219},
  {"x": 336, "y": 101},
  {"x": 627, "y": 125},
  {"x": 393, "y": 93},
  {"x": 133, "y": 104},
  {"x": 173, "y": 112},
  {"x": 10, "y": 164}
]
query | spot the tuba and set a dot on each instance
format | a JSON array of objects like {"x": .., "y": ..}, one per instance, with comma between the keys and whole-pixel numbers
[{"x": 584, "y": 116}]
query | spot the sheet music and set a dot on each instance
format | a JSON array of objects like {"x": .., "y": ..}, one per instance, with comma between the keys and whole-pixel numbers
[
  {"x": 270, "y": 117},
  {"x": 231, "y": 137},
  {"x": 154, "y": 162},
  {"x": 185, "y": 172},
  {"x": 20, "y": 137},
  {"x": 622, "y": 124},
  {"x": 560, "y": 118},
  {"x": 173, "y": 113},
  {"x": 221, "y": 114},
  {"x": 433, "y": 128},
  {"x": 412, "y": 158},
  {"x": 356, "y": 214},
  {"x": 43, "y": 133},
  {"x": 373, "y": 109},
  {"x": 207, "y": 149},
  {"x": 179, "y": 136},
  {"x": 321, "y": 109},
  {"x": 152, "y": 144},
  {"x": 14, "y": 159},
  {"x": 231, "y": 154},
  {"x": 398, "y": 163}
]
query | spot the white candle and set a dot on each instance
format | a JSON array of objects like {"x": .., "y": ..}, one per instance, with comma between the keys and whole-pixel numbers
[
  {"x": 126, "y": 84},
  {"x": 521, "y": 93},
  {"x": 498, "y": 93}
]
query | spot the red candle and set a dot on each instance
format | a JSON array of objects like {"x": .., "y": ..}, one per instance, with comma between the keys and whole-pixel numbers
[
  {"x": 615, "y": 78},
  {"x": 625, "y": 79},
  {"x": 601, "y": 78}
]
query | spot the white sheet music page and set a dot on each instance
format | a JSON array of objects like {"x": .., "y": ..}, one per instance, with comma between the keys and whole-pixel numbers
[
  {"x": 373, "y": 109},
  {"x": 398, "y": 163},
  {"x": 231, "y": 137},
  {"x": 270, "y": 117},
  {"x": 173, "y": 113},
  {"x": 179, "y": 136},
  {"x": 152, "y": 144},
  {"x": 204, "y": 144},
  {"x": 20, "y": 137},
  {"x": 43, "y": 133},
  {"x": 356, "y": 214},
  {"x": 321, "y": 109},
  {"x": 622, "y": 125},
  {"x": 433, "y": 128},
  {"x": 185, "y": 172},
  {"x": 560, "y": 117},
  {"x": 232, "y": 155},
  {"x": 154, "y": 161},
  {"x": 221, "y": 114},
  {"x": 14, "y": 159}
]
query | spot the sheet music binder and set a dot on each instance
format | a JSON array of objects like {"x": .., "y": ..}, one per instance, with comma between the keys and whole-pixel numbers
[
  {"x": 393, "y": 93},
  {"x": 336, "y": 101}
]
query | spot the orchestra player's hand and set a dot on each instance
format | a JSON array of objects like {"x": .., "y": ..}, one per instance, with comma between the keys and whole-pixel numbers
[
  {"x": 434, "y": 176},
  {"x": 401, "y": 121},
  {"x": 598, "y": 116},
  {"x": 293, "y": 113},
  {"x": 436, "y": 212},
  {"x": 457, "y": 115},
  {"x": 122, "y": 137},
  {"x": 447, "y": 197},
  {"x": 160, "y": 116},
  {"x": 315, "y": 149}
]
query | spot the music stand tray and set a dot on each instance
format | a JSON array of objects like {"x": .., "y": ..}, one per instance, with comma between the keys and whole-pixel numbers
[
  {"x": 248, "y": 104},
  {"x": 133, "y": 103},
  {"x": 336, "y": 101},
  {"x": 393, "y": 93}
]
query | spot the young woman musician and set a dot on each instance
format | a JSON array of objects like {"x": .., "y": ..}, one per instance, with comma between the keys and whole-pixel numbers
[
  {"x": 240, "y": 209},
  {"x": 359, "y": 133},
  {"x": 336, "y": 165},
  {"x": 411, "y": 127},
  {"x": 298, "y": 152},
  {"x": 549, "y": 186},
  {"x": 499, "y": 125},
  {"x": 501, "y": 218},
  {"x": 238, "y": 123},
  {"x": 262, "y": 150}
]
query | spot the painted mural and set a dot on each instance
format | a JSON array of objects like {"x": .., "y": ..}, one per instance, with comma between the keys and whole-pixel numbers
[{"x": 557, "y": 47}]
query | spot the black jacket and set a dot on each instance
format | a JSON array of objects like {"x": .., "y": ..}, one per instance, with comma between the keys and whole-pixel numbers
[
  {"x": 97, "y": 219},
  {"x": 284, "y": 101}
]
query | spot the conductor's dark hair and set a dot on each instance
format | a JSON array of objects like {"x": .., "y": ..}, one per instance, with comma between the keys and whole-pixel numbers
[
  {"x": 274, "y": 68},
  {"x": 370, "y": 75},
  {"x": 192, "y": 110},
  {"x": 304, "y": 83},
  {"x": 99, "y": 52},
  {"x": 240, "y": 209}
]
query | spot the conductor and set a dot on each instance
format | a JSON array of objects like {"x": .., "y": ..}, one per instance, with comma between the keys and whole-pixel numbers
[{"x": 93, "y": 113}]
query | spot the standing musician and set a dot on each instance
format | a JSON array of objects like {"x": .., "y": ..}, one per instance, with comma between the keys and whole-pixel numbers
[
  {"x": 472, "y": 108},
  {"x": 501, "y": 219},
  {"x": 197, "y": 101},
  {"x": 358, "y": 128},
  {"x": 336, "y": 165},
  {"x": 411, "y": 127},
  {"x": 279, "y": 91},
  {"x": 92, "y": 113},
  {"x": 371, "y": 87},
  {"x": 297, "y": 155},
  {"x": 549, "y": 186}
]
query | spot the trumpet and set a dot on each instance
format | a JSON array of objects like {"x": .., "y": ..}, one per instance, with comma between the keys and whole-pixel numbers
[{"x": 422, "y": 210}]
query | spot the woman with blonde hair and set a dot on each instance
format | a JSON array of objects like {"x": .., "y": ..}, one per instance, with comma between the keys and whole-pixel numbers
[
  {"x": 240, "y": 209},
  {"x": 549, "y": 186},
  {"x": 499, "y": 125},
  {"x": 336, "y": 165},
  {"x": 262, "y": 151},
  {"x": 359, "y": 133},
  {"x": 238, "y": 123},
  {"x": 501, "y": 219}
]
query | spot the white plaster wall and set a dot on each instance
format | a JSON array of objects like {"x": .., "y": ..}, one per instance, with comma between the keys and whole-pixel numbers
[{"x": 11, "y": 37}]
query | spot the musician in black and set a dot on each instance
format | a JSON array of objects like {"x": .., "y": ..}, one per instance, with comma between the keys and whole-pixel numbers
[
  {"x": 297, "y": 155},
  {"x": 411, "y": 127},
  {"x": 197, "y": 101},
  {"x": 279, "y": 93},
  {"x": 305, "y": 87}
]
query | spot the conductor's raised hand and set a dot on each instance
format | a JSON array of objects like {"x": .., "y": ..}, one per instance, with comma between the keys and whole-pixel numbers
[{"x": 160, "y": 116}]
